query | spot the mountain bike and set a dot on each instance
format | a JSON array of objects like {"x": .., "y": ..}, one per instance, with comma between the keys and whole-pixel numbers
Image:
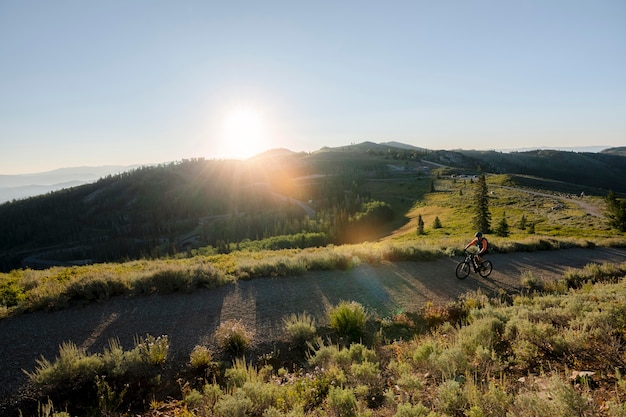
[{"x": 466, "y": 266}]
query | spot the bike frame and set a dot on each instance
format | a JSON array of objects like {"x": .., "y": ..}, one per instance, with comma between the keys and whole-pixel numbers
[{"x": 466, "y": 266}]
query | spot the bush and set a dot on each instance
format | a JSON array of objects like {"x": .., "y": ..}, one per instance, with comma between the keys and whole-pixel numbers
[
  {"x": 200, "y": 357},
  {"x": 410, "y": 410},
  {"x": 348, "y": 319},
  {"x": 300, "y": 327},
  {"x": 235, "y": 405},
  {"x": 72, "y": 368},
  {"x": 76, "y": 375},
  {"x": 233, "y": 337},
  {"x": 240, "y": 373},
  {"x": 164, "y": 282},
  {"x": 342, "y": 402},
  {"x": 450, "y": 397}
]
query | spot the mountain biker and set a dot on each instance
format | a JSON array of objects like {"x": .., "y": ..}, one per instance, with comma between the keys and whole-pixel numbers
[{"x": 481, "y": 243}]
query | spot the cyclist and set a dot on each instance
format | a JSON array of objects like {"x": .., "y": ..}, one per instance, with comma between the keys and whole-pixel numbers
[{"x": 481, "y": 243}]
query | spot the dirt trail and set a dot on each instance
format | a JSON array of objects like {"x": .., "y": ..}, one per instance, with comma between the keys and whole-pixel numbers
[{"x": 190, "y": 319}]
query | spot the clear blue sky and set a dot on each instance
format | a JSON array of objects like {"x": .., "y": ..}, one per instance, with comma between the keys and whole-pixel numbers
[{"x": 135, "y": 82}]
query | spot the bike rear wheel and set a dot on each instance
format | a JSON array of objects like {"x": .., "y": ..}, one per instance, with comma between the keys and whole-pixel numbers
[
  {"x": 485, "y": 269},
  {"x": 463, "y": 269}
]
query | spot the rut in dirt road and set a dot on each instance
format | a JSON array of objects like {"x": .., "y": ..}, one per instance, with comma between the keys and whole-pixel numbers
[{"x": 190, "y": 319}]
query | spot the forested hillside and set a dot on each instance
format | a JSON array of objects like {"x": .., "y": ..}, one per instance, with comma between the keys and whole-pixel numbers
[
  {"x": 605, "y": 171},
  {"x": 284, "y": 199},
  {"x": 161, "y": 210}
]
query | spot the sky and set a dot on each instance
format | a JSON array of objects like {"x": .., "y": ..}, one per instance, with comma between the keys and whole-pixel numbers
[{"x": 124, "y": 82}]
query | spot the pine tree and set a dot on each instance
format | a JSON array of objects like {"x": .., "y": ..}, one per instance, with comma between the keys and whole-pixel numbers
[
  {"x": 437, "y": 224},
  {"x": 482, "y": 216},
  {"x": 616, "y": 212},
  {"x": 503, "y": 227},
  {"x": 420, "y": 225}
]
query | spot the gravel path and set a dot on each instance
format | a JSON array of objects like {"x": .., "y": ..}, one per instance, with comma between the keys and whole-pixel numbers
[{"x": 190, "y": 319}]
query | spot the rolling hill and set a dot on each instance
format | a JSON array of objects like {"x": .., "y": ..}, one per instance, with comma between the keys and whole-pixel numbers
[{"x": 165, "y": 209}]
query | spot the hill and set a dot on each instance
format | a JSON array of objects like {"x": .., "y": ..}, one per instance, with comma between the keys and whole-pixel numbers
[
  {"x": 338, "y": 195},
  {"x": 19, "y": 186},
  {"x": 602, "y": 171},
  {"x": 160, "y": 210},
  {"x": 616, "y": 151}
]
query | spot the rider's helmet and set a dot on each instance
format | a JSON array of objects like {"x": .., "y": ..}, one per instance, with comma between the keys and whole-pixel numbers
[{"x": 478, "y": 234}]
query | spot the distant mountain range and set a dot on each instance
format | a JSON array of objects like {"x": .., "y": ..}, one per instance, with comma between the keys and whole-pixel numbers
[{"x": 15, "y": 187}]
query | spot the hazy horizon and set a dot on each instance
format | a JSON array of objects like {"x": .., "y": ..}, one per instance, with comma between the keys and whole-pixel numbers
[{"x": 140, "y": 82}]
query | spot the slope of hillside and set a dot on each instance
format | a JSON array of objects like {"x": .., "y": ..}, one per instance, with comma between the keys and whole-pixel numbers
[
  {"x": 162, "y": 210},
  {"x": 603, "y": 171},
  {"x": 621, "y": 150}
]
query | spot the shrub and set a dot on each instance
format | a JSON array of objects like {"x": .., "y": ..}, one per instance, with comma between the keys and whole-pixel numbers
[
  {"x": 164, "y": 282},
  {"x": 565, "y": 401},
  {"x": 300, "y": 327},
  {"x": 200, "y": 357},
  {"x": 234, "y": 405},
  {"x": 72, "y": 368},
  {"x": 151, "y": 350},
  {"x": 194, "y": 399},
  {"x": 342, "y": 402},
  {"x": 410, "y": 410},
  {"x": 233, "y": 337},
  {"x": 348, "y": 319},
  {"x": 109, "y": 400},
  {"x": 47, "y": 410},
  {"x": 530, "y": 281},
  {"x": 365, "y": 373},
  {"x": 261, "y": 394},
  {"x": 450, "y": 397},
  {"x": 76, "y": 374},
  {"x": 240, "y": 373}
]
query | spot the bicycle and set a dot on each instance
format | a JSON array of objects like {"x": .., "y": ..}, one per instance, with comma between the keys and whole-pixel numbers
[{"x": 464, "y": 267}]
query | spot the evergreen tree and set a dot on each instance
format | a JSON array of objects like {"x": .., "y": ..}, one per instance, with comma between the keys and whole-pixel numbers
[
  {"x": 420, "y": 225},
  {"x": 437, "y": 224},
  {"x": 482, "y": 216},
  {"x": 616, "y": 212},
  {"x": 503, "y": 227}
]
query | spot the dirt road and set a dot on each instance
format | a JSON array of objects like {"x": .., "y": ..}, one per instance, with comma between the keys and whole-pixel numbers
[{"x": 190, "y": 319}]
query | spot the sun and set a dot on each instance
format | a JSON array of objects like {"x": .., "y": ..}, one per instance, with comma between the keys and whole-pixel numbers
[{"x": 243, "y": 134}]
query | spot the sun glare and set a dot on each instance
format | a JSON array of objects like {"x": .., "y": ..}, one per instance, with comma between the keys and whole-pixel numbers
[{"x": 243, "y": 133}]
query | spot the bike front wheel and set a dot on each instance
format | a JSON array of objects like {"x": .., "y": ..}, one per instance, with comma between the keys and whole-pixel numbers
[
  {"x": 463, "y": 269},
  {"x": 485, "y": 269}
]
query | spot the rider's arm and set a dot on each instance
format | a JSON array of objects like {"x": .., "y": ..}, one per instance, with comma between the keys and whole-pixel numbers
[{"x": 471, "y": 243}]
